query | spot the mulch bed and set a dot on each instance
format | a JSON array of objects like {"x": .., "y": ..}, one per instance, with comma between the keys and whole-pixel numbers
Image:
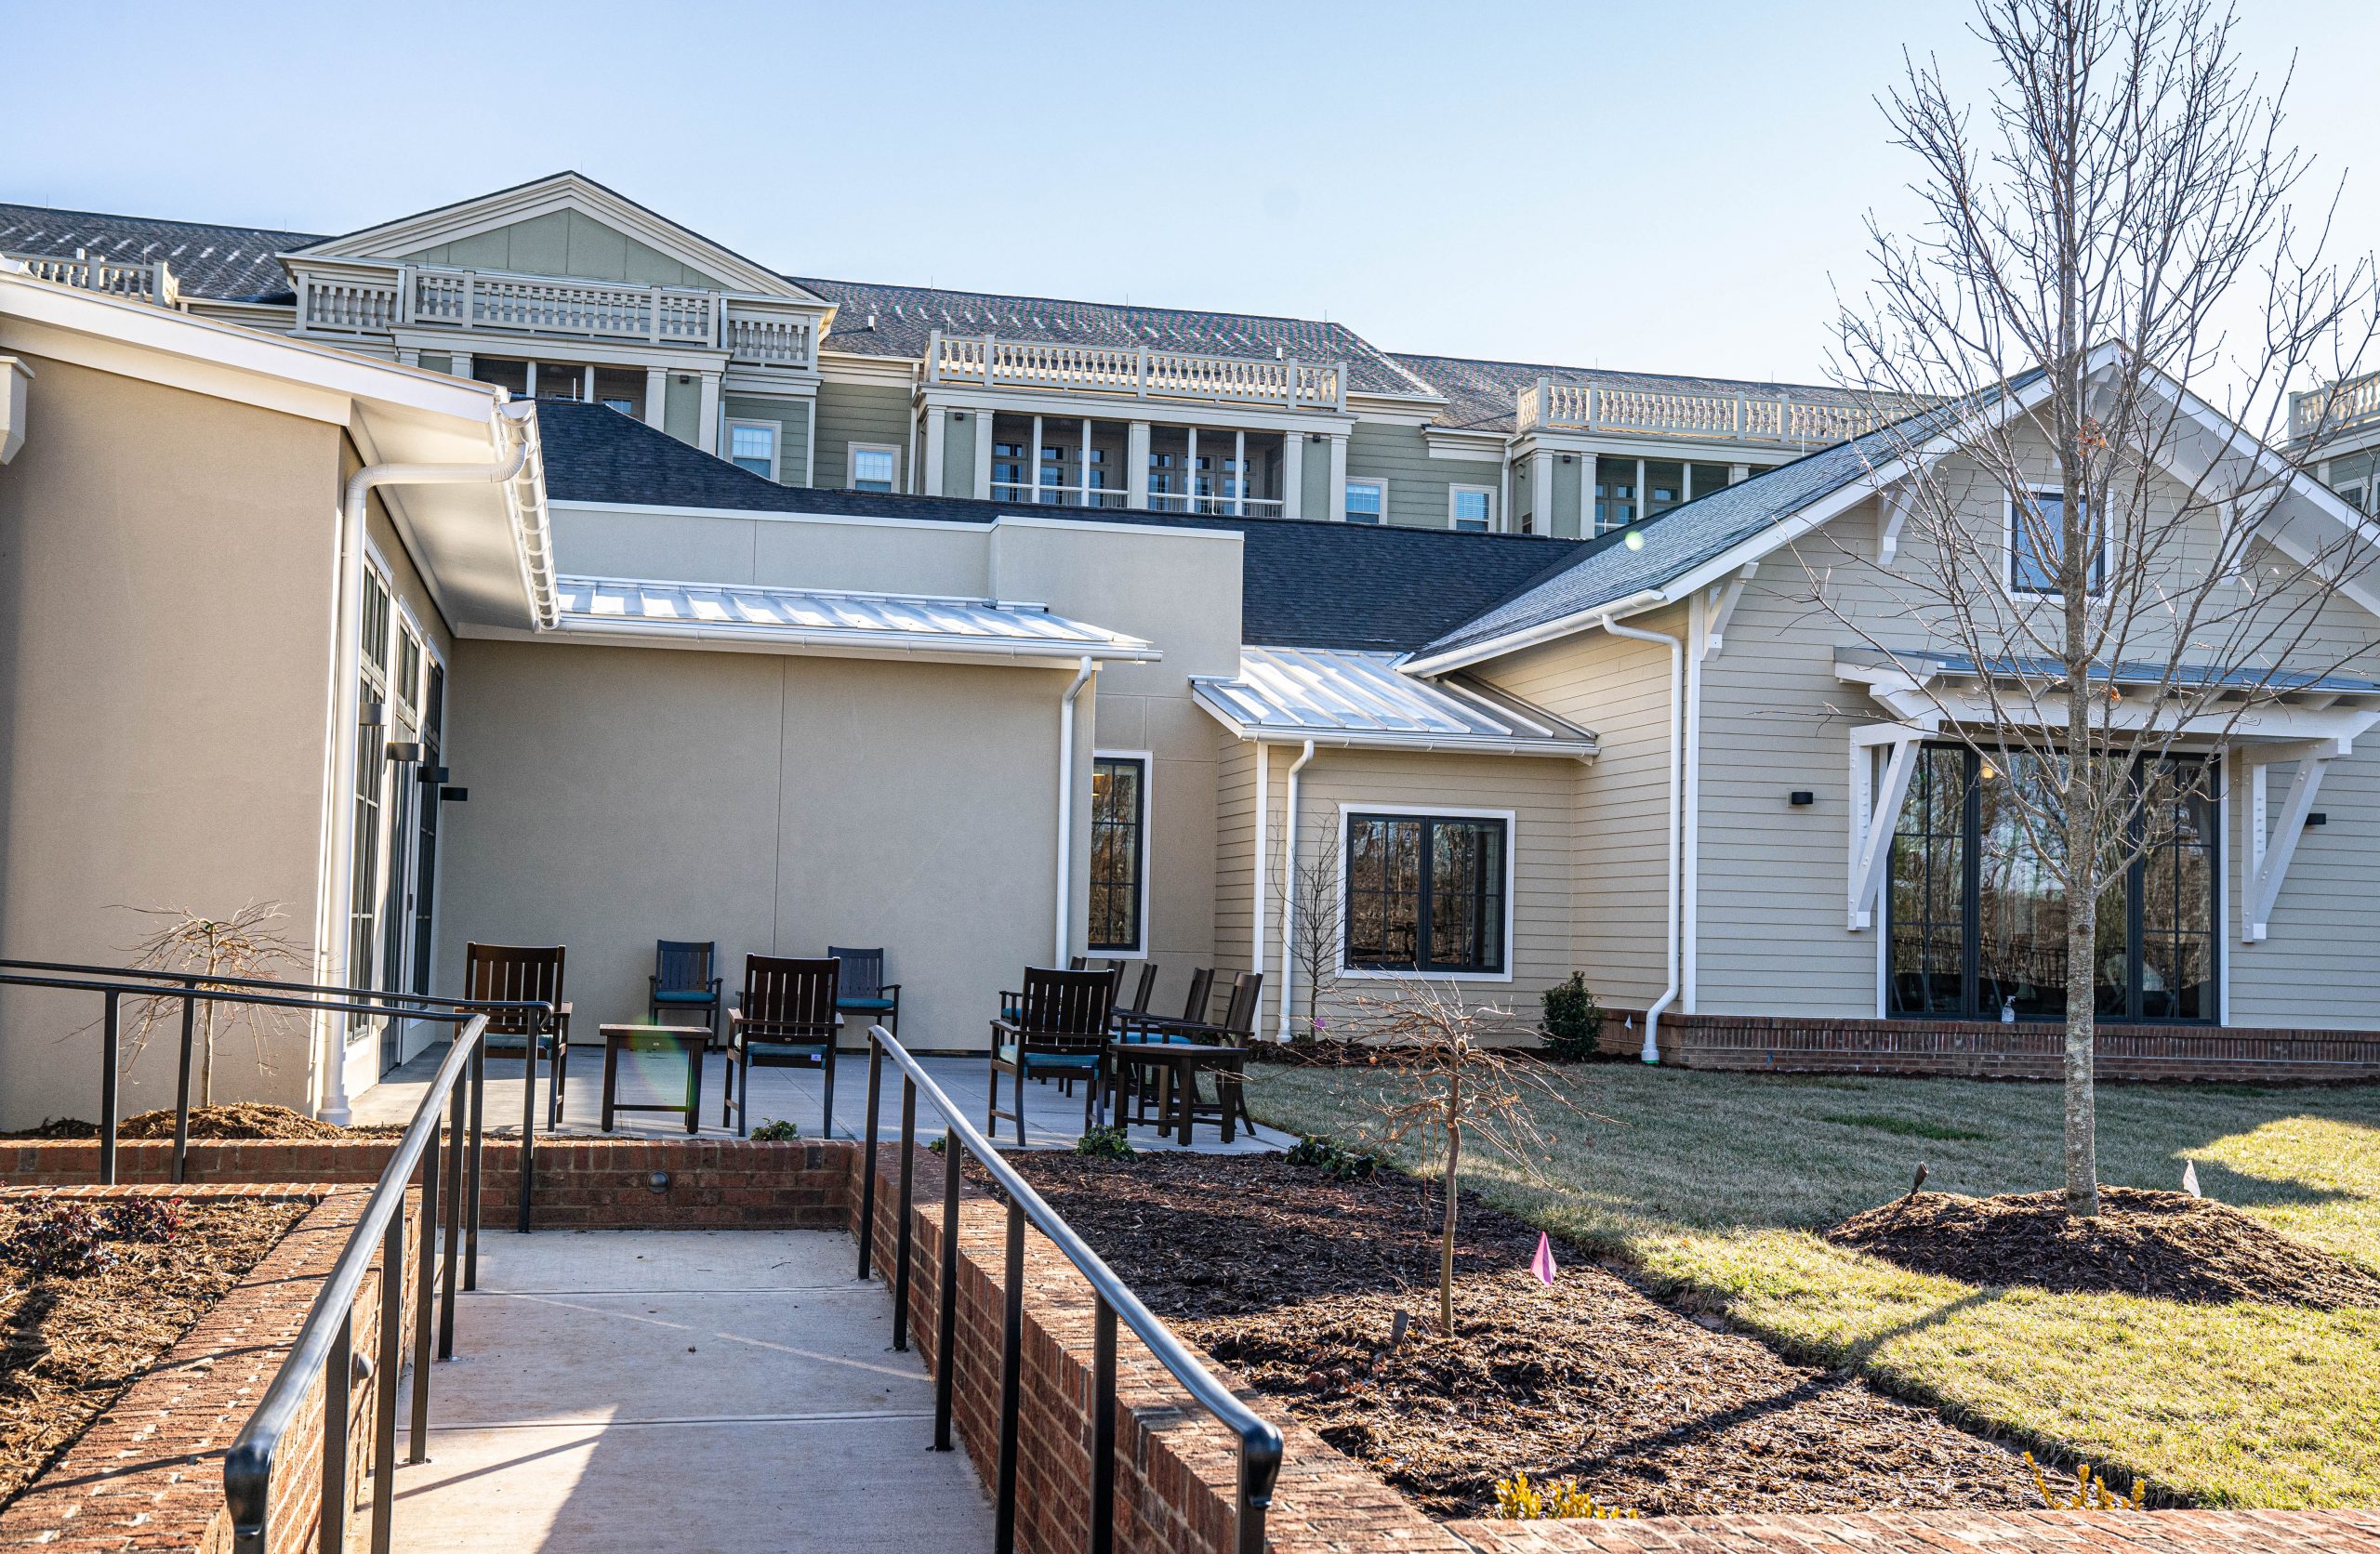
[
  {"x": 71, "y": 1343},
  {"x": 245, "y": 1120},
  {"x": 1295, "y": 1280},
  {"x": 2167, "y": 1246}
]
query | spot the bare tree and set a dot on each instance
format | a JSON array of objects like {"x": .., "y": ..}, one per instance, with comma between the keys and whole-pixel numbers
[
  {"x": 1450, "y": 1087},
  {"x": 244, "y": 945},
  {"x": 2156, "y": 582},
  {"x": 1313, "y": 913}
]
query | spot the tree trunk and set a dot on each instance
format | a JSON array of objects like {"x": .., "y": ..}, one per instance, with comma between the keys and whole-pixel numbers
[
  {"x": 2082, "y": 1121},
  {"x": 1446, "y": 1235}
]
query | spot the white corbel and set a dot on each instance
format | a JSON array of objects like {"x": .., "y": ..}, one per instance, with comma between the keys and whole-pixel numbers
[
  {"x": 1875, "y": 813},
  {"x": 1719, "y": 608},
  {"x": 2272, "y": 845},
  {"x": 1892, "y": 511}
]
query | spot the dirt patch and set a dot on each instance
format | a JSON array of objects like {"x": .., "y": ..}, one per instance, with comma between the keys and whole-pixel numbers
[
  {"x": 2167, "y": 1246},
  {"x": 1296, "y": 1280},
  {"x": 71, "y": 1342},
  {"x": 245, "y": 1120}
]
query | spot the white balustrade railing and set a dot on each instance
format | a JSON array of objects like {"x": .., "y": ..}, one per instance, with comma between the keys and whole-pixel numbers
[
  {"x": 151, "y": 282},
  {"x": 1550, "y": 406},
  {"x": 781, "y": 340},
  {"x": 2340, "y": 407},
  {"x": 996, "y": 364}
]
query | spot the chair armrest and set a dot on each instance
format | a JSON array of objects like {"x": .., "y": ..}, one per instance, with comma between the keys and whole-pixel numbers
[
  {"x": 890, "y": 990},
  {"x": 715, "y": 984},
  {"x": 1009, "y": 1027},
  {"x": 654, "y": 981}
]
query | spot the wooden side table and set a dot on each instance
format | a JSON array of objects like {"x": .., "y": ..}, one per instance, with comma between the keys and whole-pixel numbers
[
  {"x": 689, "y": 1041},
  {"x": 1182, "y": 1060}
]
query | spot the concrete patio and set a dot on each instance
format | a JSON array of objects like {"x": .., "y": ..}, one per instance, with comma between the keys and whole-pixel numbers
[{"x": 1054, "y": 1120}]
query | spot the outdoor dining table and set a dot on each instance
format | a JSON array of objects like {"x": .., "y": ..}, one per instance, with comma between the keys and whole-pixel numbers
[
  {"x": 688, "y": 1040},
  {"x": 1185, "y": 1058}
]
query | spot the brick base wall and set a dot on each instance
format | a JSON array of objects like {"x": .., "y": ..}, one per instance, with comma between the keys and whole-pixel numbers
[
  {"x": 147, "y": 1473},
  {"x": 1991, "y": 1050},
  {"x": 2350, "y": 1532}
]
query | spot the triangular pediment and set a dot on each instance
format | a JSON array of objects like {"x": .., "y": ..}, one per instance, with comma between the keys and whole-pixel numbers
[{"x": 565, "y": 224}]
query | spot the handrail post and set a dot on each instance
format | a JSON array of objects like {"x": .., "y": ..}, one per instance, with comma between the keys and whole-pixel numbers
[
  {"x": 338, "y": 1414},
  {"x": 425, "y": 1301},
  {"x": 391, "y": 1359},
  {"x": 1012, "y": 1377},
  {"x": 1103, "y": 1429},
  {"x": 458, "y": 1108},
  {"x": 471, "y": 1191},
  {"x": 108, "y": 1060},
  {"x": 868, "y": 1176},
  {"x": 181, "y": 1086},
  {"x": 1255, "y": 1499},
  {"x": 529, "y": 1111},
  {"x": 946, "y": 1335},
  {"x": 902, "y": 1238}
]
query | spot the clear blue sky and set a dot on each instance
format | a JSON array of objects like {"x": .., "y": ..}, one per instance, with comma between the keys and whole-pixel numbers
[{"x": 1667, "y": 187}]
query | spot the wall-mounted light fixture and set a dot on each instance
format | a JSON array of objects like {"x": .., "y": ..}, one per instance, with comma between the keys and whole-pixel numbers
[
  {"x": 1565, "y": 458},
  {"x": 1314, "y": 437},
  {"x": 433, "y": 775},
  {"x": 1803, "y": 798},
  {"x": 371, "y": 715},
  {"x": 455, "y": 796},
  {"x": 958, "y": 416},
  {"x": 405, "y": 752},
  {"x": 2318, "y": 818}
]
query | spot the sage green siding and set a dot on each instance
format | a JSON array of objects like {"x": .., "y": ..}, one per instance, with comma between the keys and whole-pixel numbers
[
  {"x": 792, "y": 419},
  {"x": 959, "y": 454},
  {"x": 1416, "y": 483},
  {"x": 1313, "y": 475},
  {"x": 437, "y": 362},
  {"x": 850, "y": 412},
  {"x": 566, "y": 243},
  {"x": 681, "y": 415}
]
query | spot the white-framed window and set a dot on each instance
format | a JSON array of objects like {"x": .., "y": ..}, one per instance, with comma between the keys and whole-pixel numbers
[
  {"x": 753, "y": 445},
  {"x": 2353, "y": 493},
  {"x": 2035, "y": 527},
  {"x": 1471, "y": 508},
  {"x": 1425, "y": 890},
  {"x": 1117, "y": 912},
  {"x": 874, "y": 466},
  {"x": 1366, "y": 501}
]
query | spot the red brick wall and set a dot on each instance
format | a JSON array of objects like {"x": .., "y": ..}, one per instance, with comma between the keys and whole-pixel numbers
[
  {"x": 147, "y": 1473},
  {"x": 1931, "y": 1532}
]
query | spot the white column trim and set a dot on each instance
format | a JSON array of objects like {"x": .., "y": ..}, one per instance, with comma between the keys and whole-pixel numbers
[
  {"x": 1540, "y": 497},
  {"x": 937, "y": 431},
  {"x": 657, "y": 396},
  {"x": 983, "y": 474},
  {"x": 1339, "y": 479},
  {"x": 1136, "y": 465},
  {"x": 707, "y": 434},
  {"x": 1293, "y": 474},
  {"x": 1872, "y": 824}
]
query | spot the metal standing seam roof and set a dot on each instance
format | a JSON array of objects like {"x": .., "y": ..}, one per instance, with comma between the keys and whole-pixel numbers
[
  {"x": 866, "y": 624},
  {"x": 1337, "y": 697},
  {"x": 1863, "y": 661}
]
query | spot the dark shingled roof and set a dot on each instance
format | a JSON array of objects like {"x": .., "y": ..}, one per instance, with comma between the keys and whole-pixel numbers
[
  {"x": 1305, "y": 584},
  {"x": 234, "y": 263},
  {"x": 1483, "y": 395},
  {"x": 898, "y": 320}
]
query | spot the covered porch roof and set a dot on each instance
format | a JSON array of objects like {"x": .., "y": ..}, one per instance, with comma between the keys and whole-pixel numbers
[
  {"x": 751, "y": 618},
  {"x": 1353, "y": 699}
]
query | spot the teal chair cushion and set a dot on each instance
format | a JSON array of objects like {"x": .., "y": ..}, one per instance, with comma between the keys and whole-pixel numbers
[
  {"x": 1050, "y": 1059},
  {"x": 786, "y": 1049},
  {"x": 863, "y": 1003},
  {"x": 684, "y": 995}
]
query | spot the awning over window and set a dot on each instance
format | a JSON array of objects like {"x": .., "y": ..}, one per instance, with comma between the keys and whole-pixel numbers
[
  {"x": 1346, "y": 698},
  {"x": 836, "y": 623}
]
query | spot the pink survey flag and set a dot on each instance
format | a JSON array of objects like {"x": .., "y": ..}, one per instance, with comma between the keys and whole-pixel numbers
[{"x": 1543, "y": 1264}]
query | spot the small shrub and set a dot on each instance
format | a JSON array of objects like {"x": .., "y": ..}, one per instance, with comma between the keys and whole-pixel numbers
[
  {"x": 1519, "y": 1500},
  {"x": 939, "y": 1142},
  {"x": 1329, "y": 1155},
  {"x": 1573, "y": 1024},
  {"x": 1107, "y": 1143},
  {"x": 150, "y": 1220},
  {"x": 62, "y": 1241},
  {"x": 776, "y": 1131},
  {"x": 2091, "y": 1493}
]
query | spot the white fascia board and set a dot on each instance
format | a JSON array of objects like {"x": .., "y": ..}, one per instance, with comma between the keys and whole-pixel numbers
[
  {"x": 1469, "y": 443},
  {"x": 601, "y": 353},
  {"x": 855, "y": 366},
  {"x": 825, "y": 644},
  {"x": 1113, "y": 526},
  {"x": 226, "y": 360},
  {"x": 1252, "y": 415},
  {"x": 759, "y": 383},
  {"x": 1497, "y": 647},
  {"x": 773, "y": 515},
  {"x": 1411, "y": 743}
]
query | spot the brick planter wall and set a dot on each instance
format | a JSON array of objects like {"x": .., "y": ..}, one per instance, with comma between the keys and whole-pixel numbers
[
  {"x": 1990, "y": 1050},
  {"x": 148, "y": 1472},
  {"x": 2353, "y": 1532}
]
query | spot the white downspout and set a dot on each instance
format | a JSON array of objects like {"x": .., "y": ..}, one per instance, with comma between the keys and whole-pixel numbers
[
  {"x": 1690, "y": 824},
  {"x": 1289, "y": 893},
  {"x": 1066, "y": 810},
  {"x": 1264, "y": 819},
  {"x": 331, "y": 926},
  {"x": 1652, "y": 1051}
]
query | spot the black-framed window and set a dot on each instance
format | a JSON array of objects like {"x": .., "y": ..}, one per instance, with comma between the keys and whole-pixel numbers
[
  {"x": 1118, "y": 820},
  {"x": 1976, "y": 922},
  {"x": 2037, "y": 542},
  {"x": 1425, "y": 893}
]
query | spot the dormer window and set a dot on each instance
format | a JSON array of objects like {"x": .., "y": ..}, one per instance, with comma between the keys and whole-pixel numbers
[{"x": 2037, "y": 544}]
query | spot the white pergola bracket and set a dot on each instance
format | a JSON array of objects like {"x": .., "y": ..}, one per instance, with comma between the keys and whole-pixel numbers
[
  {"x": 1892, "y": 512},
  {"x": 2272, "y": 845},
  {"x": 1720, "y": 609},
  {"x": 1875, "y": 812}
]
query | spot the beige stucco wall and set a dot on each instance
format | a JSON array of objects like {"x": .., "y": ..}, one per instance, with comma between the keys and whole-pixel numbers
[{"x": 166, "y": 570}]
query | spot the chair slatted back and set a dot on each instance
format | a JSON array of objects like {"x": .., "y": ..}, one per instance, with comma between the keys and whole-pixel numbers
[
  {"x": 1064, "y": 1011},
  {"x": 790, "y": 1000},
  {"x": 863, "y": 972},
  {"x": 683, "y": 965},
  {"x": 1239, "y": 1019},
  {"x": 1138, "y": 1002},
  {"x": 513, "y": 973},
  {"x": 1202, "y": 988}
]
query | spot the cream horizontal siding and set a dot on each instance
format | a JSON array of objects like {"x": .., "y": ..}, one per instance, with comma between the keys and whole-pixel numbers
[
  {"x": 850, "y": 412},
  {"x": 1235, "y": 860},
  {"x": 1416, "y": 483}
]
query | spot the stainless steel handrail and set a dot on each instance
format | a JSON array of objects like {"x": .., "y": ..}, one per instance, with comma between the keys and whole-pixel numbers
[{"x": 1259, "y": 1441}]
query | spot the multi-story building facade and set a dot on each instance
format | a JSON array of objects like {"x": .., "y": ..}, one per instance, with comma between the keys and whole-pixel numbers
[{"x": 563, "y": 289}]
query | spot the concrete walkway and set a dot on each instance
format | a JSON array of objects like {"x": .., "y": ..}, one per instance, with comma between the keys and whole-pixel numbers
[{"x": 658, "y": 1392}]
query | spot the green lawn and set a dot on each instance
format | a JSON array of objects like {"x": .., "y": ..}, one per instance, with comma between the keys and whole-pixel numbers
[{"x": 1711, "y": 1183}]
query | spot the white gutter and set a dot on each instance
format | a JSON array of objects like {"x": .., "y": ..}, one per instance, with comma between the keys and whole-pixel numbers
[
  {"x": 1496, "y": 647},
  {"x": 1066, "y": 810},
  {"x": 1652, "y": 1051},
  {"x": 1699, "y": 630},
  {"x": 1256, "y": 907},
  {"x": 1289, "y": 894},
  {"x": 338, "y": 839}
]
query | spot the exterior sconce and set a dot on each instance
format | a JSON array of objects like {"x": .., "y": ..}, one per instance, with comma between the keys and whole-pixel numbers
[
  {"x": 1803, "y": 798},
  {"x": 407, "y": 753},
  {"x": 2318, "y": 818},
  {"x": 432, "y": 775},
  {"x": 1565, "y": 458},
  {"x": 371, "y": 715},
  {"x": 455, "y": 796}
]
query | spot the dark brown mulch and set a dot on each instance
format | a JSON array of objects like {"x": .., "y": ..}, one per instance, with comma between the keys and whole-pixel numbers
[
  {"x": 2168, "y": 1246},
  {"x": 244, "y": 1120},
  {"x": 69, "y": 1344},
  {"x": 1295, "y": 1280}
]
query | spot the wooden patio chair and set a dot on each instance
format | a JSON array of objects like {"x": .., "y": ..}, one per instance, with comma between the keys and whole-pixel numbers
[
  {"x": 785, "y": 1019},
  {"x": 1137, "y": 1003},
  {"x": 1060, "y": 1027},
  {"x": 683, "y": 982},
  {"x": 522, "y": 973},
  {"x": 865, "y": 994},
  {"x": 1238, "y": 1030}
]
